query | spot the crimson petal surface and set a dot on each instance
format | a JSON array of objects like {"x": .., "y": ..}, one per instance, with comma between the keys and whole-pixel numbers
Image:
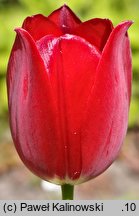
[
  {"x": 95, "y": 31},
  {"x": 71, "y": 63},
  {"x": 38, "y": 26},
  {"x": 106, "y": 119},
  {"x": 32, "y": 110},
  {"x": 65, "y": 19}
]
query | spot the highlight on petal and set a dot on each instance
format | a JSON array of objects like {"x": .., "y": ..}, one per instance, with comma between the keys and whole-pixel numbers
[
  {"x": 96, "y": 31},
  {"x": 104, "y": 129},
  {"x": 65, "y": 19},
  {"x": 72, "y": 70},
  {"x": 127, "y": 65},
  {"x": 38, "y": 26}
]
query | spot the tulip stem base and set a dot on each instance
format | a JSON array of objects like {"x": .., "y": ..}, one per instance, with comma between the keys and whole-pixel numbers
[{"x": 67, "y": 192}]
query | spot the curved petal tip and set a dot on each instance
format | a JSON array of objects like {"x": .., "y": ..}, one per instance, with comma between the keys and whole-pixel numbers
[{"x": 125, "y": 24}]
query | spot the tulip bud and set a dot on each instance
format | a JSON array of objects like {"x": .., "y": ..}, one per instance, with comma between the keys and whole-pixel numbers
[{"x": 69, "y": 88}]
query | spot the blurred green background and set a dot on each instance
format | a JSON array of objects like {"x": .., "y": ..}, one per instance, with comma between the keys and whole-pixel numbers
[{"x": 12, "y": 14}]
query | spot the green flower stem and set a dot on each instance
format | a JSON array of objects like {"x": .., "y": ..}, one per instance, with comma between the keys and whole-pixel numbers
[{"x": 67, "y": 192}]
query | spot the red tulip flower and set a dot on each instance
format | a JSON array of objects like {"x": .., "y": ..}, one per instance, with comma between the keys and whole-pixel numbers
[{"x": 69, "y": 88}]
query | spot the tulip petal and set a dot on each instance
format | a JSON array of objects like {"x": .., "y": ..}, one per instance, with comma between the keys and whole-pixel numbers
[
  {"x": 104, "y": 129},
  {"x": 38, "y": 26},
  {"x": 71, "y": 63},
  {"x": 96, "y": 31},
  {"x": 65, "y": 19},
  {"x": 32, "y": 111},
  {"x": 128, "y": 66}
]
